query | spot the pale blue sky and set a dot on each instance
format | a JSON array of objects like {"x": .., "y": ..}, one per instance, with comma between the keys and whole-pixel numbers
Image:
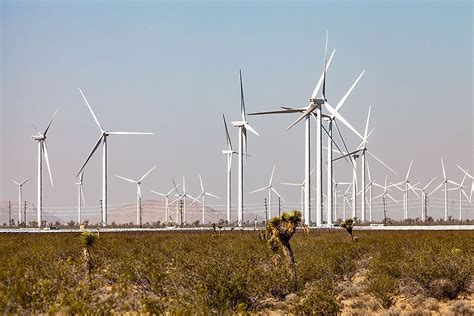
[{"x": 172, "y": 68}]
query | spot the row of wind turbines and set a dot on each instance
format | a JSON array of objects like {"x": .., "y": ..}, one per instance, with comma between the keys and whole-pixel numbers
[{"x": 321, "y": 111}]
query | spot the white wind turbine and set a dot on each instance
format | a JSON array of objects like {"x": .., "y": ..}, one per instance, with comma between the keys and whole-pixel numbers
[
  {"x": 183, "y": 196},
  {"x": 336, "y": 185},
  {"x": 243, "y": 127},
  {"x": 472, "y": 182},
  {"x": 445, "y": 183},
  {"x": 332, "y": 119},
  {"x": 384, "y": 196},
  {"x": 20, "y": 197},
  {"x": 314, "y": 104},
  {"x": 42, "y": 150},
  {"x": 203, "y": 196},
  {"x": 103, "y": 139},
  {"x": 270, "y": 188},
  {"x": 301, "y": 185},
  {"x": 229, "y": 152},
  {"x": 461, "y": 188},
  {"x": 345, "y": 200},
  {"x": 407, "y": 186},
  {"x": 80, "y": 197},
  {"x": 139, "y": 194},
  {"x": 424, "y": 198},
  {"x": 166, "y": 196}
]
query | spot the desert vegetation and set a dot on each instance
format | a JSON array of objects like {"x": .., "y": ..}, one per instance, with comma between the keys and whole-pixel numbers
[{"x": 204, "y": 272}]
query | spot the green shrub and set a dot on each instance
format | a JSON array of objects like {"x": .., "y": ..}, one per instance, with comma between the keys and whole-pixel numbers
[{"x": 383, "y": 287}]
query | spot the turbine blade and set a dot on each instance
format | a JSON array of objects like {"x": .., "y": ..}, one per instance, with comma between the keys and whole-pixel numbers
[
  {"x": 247, "y": 126},
  {"x": 467, "y": 197},
  {"x": 344, "y": 98},
  {"x": 381, "y": 162},
  {"x": 392, "y": 198},
  {"x": 202, "y": 186},
  {"x": 413, "y": 189},
  {"x": 210, "y": 194},
  {"x": 161, "y": 194},
  {"x": 130, "y": 133},
  {"x": 258, "y": 190},
  {"x": 278, "y": 112},
  {"x": 444, "y": 171},
  {"x": 409, "y": 169},
  {"x": 367, "y": 125},
  {"x": 342, "y": 119},
  {"x": 92, "y": 112},
  {"x": 318, "y": 85},
  {"x": 310, "y": 109},
  {"x": 229, "y": 143},
  {"x": 196, "y": 199},
  {"x": 21, "y": 184},
  {"x": 91, "y": 153},
  {"x": 242, "y": 100},
  {"x": 271, "y": 177},
  {"x": 45, "y": 151},
  {"x": 127, "y": 179},
  {"x": 275, "y": 191},
  {"x": 292, "y": 184},
  {"x": 466, "y": 172},
  {"x": 437, "y": 188},
  {"x": 426, "y": 186},
  {"x": 49, "y": 125},
  {"x": 146, "y": 174}
]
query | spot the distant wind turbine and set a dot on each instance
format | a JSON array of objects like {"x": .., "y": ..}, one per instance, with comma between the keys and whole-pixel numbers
[
  {"x": 42, "y": 150},
  {"x": 461, "y": 188},
  {"x": 103, "y": 139},
  {"x": 139, "y": 194},
  {"x": 270, "y": 188},
  {"x": 166, "y": 196},
  {"x": 445, "y": 183},
  {"x": 424, "y": 198},
  {"x": 20, "y": 197},
  {"x": 408, "y": 185},
  {"x": 243, "y": 127},
  {"x": 203, "y": 195},
  {"x": 472, "y": 182}
]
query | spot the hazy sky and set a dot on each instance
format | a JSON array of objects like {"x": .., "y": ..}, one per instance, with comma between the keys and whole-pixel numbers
[{"x": 172, "y": 68}]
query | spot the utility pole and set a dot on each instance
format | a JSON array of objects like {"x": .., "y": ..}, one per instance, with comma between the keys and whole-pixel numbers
[
  {"x": 384, "y": 211},
  {"x": 279, "y": 206},
  {"x": 181, "y": 212},
  {"x": 266, "y": 210},
  {"x": 24, "y": 214},
  {"x": 9, "y": 213}
]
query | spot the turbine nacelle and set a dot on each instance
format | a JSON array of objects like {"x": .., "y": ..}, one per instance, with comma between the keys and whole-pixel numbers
[{"x": 38, "y": 137}]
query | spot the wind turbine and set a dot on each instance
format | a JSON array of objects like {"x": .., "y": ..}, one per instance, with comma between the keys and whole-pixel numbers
[
  {"x": 424, "y": 198},
  {"x": 80, "y": 197},
  {"x": 445, "y": 183},
  {"x": 229, "y": 152},
  {"x": 139, "y": 193},
  {"x": 203, "y": 195},
  {"x": 472, "y": 182},
  {"x": 336, "y": 184},
  {"x": 270, "y": 188},
  {"x": 461, "y": 187},
  {"x": 407, "y": 185},
  {"x": 384, "y": 196},
  {"x": 301, "y": 185},
  {"x": 345, "y": 200},
  {"x": 166, "y": 196},
  {"x": 314, "y": 104},
  {"x": 20, "y": 197},
  {"x": 184, "y": 196},
  {"x": 42, "y": 150},
  {"x": 103, "y": 139},
  {"x": 243, "y": 127},
  {"x": 332, "y": 119}
]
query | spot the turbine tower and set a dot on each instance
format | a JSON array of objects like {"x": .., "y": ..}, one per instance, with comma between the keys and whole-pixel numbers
[
  {"x": 80, "y": 197},
  {"x": 405, "y": 191},
  {"x": 229, "y": 152},
  {"x": 424, "y": 198},
  {"x": 445, "y": 183},
  {"x": 203, "y": 195},
  {"x": 461, "y": 188},
  {"x": 166, "y": 196},
  {"x": 20, "y": 197},
  {"x": 270, "y": 188},
  {"x": 42, "y": 150},
  {"x": 314, "y": 104},
  {"x": 103, "y": 139},
  {"x": 243, "y": 127},
  {"x": 139, "y": 193}
]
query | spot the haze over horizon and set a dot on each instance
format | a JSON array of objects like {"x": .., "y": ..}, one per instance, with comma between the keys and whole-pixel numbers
[{"x": 172, "y": 69}]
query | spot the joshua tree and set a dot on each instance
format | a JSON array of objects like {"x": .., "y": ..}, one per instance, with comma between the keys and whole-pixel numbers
[
  {"x": 348, "y": 224},
  {"x": 88, "y": 240},
  {"x": 282, "y": 228}
]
